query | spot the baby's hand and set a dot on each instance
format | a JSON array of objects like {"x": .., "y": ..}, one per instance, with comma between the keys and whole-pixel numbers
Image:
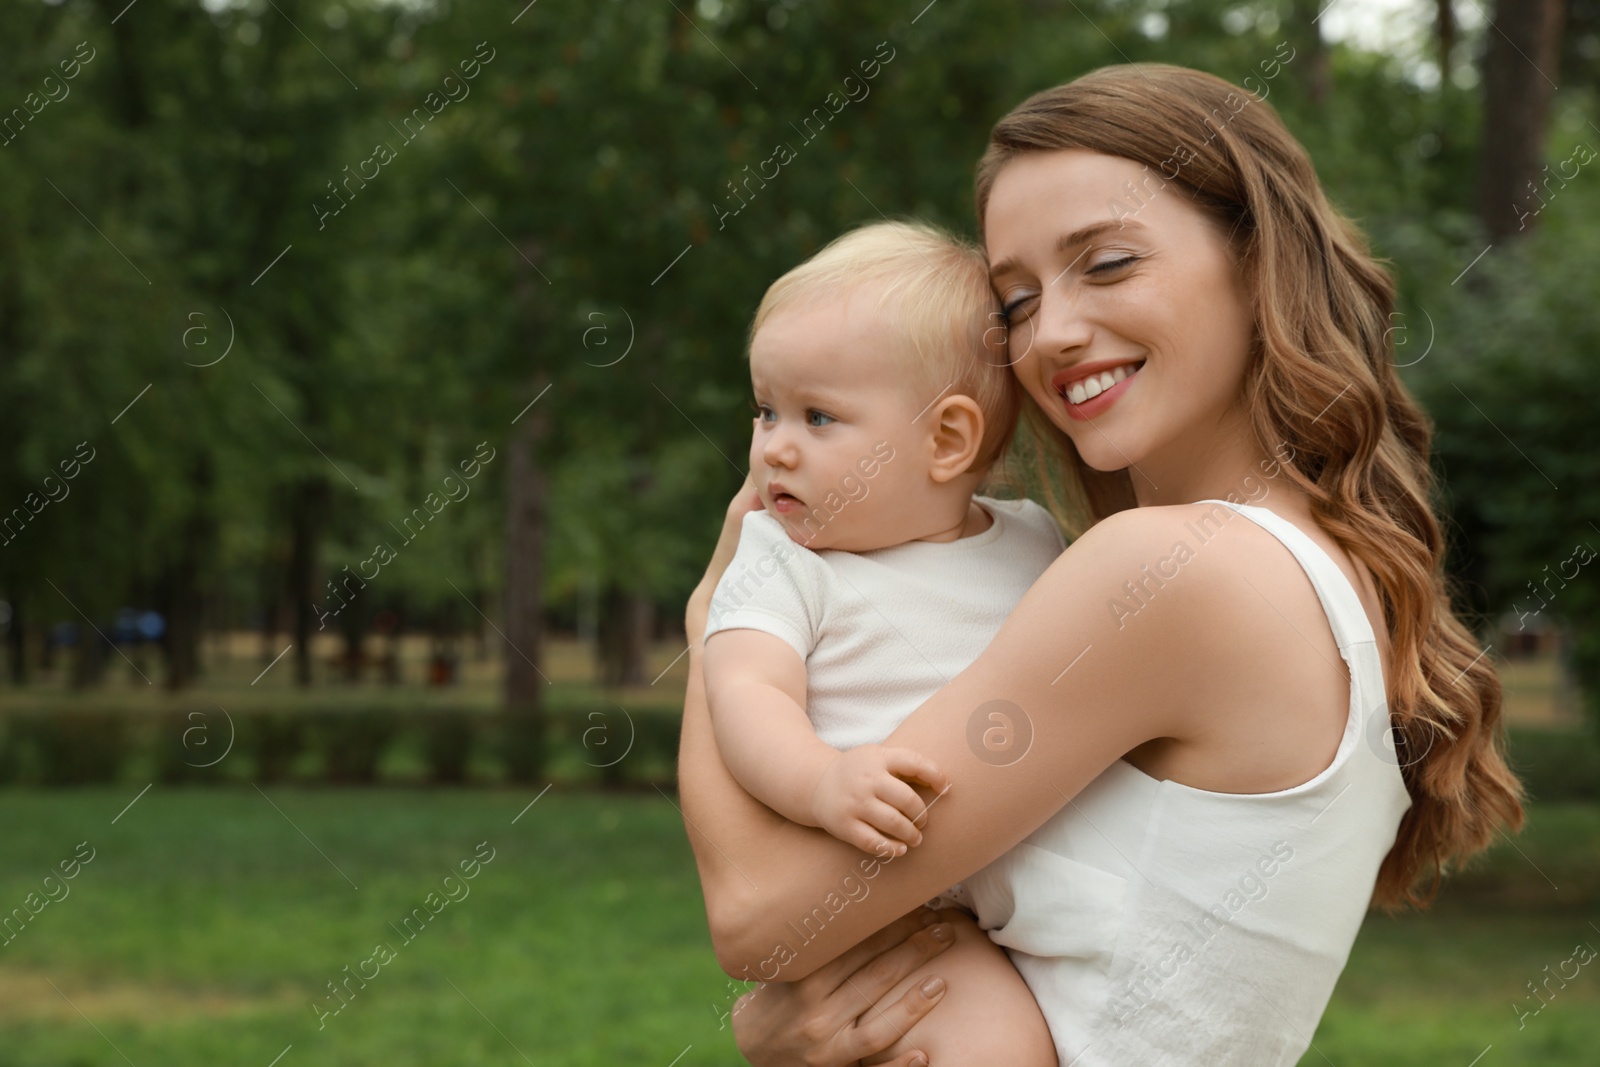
[{"x": 862, "y": 797}]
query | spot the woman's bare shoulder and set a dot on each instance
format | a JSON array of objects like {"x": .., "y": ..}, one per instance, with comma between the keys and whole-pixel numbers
[
  {"x": 1163, "y": 540},
  {"x": 1151, "y": 523},
  {"x": 1169, "y": 587}
]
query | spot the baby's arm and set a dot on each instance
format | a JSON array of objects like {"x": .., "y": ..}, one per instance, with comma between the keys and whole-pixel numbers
[
  {"x": 756, "y": 688},
  {"x": 756, "y": 685}
]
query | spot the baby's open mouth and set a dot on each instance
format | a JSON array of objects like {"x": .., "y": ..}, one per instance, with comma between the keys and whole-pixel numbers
[{"x": 1092, "y": 385}]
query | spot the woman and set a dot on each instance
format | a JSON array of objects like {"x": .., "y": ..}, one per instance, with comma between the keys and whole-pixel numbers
[{"x": 1211, "y": 795}]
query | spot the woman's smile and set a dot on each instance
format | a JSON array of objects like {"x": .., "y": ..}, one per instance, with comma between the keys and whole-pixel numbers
[{"x": 1090, "y": 389}]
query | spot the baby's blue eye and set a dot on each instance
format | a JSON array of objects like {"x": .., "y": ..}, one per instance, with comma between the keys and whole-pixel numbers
[
  {"x": 763, "y": 412},
  {"x": 813, "y": 415}
]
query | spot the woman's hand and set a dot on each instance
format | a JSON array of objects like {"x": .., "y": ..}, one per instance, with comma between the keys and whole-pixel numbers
[
  {"x": 744, "y": 501},
  {"x": 827, "y": 1018}
]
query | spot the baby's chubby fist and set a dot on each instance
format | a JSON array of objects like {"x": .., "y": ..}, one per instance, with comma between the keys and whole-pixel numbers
[{"x": 863, "y": 798}]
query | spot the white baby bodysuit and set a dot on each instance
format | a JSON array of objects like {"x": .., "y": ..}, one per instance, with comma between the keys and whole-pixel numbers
[{"x": 882, "y": 631}]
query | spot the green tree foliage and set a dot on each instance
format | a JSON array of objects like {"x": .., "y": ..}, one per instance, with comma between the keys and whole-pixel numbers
[
  {"x": 1512, "y": 383},
  {"x": 413, "y": 221}
]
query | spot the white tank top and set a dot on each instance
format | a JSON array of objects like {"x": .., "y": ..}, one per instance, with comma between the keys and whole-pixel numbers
[{"x": 1157, "y": 923}]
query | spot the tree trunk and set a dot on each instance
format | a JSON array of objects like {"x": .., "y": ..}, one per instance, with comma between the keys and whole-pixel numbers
[
  {"x": 17, "y": 638},
  {"x": 627, "y": 619},
  {"x": 589, "y": 613},
  {"x": 527, "y": 490},
  {"x": 391, "y": 623},
  {"x": 1445, "y": 28},
  {"x": 308, "y": 500},
  {"x": 184, "y": 585},
  {"x": 354, "y": 631},
  {"x": 92, "y": 655},
  {"x": 1311, "y": 58},
  {"x": 1519, "y": 71}
]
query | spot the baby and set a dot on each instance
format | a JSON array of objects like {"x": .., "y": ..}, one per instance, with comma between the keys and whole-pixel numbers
[{"x": 874, "y": 574}]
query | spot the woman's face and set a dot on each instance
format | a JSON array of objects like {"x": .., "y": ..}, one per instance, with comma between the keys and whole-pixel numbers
[{"x": 1129, "y": 324}]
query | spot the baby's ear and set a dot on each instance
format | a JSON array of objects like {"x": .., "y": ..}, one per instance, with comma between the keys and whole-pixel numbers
[{"x": 957, "y": 437}]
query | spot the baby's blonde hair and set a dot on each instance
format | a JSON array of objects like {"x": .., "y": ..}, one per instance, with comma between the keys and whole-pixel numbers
[{"x": 935, "y": 287}]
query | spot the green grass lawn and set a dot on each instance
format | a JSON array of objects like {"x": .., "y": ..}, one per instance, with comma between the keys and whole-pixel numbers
[
  {"x": 1439, "y": 987},
  {"x": 207, "y": 926}
]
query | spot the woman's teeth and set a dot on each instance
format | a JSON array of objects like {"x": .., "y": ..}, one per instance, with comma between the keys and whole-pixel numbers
[{"x": 1092, "y": 386}]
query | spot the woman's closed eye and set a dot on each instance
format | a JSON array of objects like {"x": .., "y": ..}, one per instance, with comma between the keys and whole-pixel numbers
[
  {"x": 1020, "y": 302},
  {"x": 1017, "y": 303},
  {"x": 1111, "y": 266}
]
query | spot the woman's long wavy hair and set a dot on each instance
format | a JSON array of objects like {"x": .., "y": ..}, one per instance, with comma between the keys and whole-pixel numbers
[{"x": 1322, "y": 382}]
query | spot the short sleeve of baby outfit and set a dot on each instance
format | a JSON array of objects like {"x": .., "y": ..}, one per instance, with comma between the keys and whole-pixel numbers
[{"x": 772, "y": 585}]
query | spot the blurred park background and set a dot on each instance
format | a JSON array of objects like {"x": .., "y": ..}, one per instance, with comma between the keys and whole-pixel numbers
[{"x": 371, "y": 388}]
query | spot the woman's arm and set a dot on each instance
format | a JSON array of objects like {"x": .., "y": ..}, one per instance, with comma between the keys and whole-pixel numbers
[
  {"x": 709, "y": 794},
  {"x": 782, "y": 899},
  {"x": 707, "y": 790}
]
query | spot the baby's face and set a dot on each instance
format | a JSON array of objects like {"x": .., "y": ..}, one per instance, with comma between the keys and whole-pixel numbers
[{"x": 835, "y": 452}]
